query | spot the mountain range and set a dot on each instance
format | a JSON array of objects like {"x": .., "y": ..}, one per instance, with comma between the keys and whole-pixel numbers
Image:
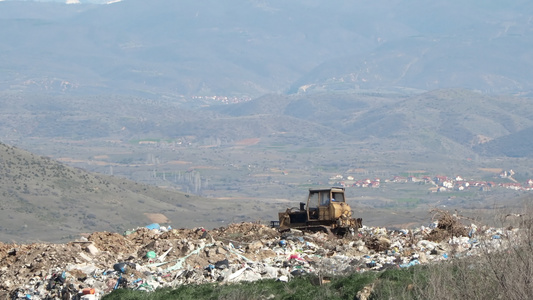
[
  {"x": 250, "y": 47},
  {"x": 454, "y": 122}
]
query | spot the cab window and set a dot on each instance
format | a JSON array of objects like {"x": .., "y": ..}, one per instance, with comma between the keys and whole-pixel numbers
[
  {"x": 324, "y": 198},
  {"x": 313, "y": 199},
  {"x": 339, "y": 197}
]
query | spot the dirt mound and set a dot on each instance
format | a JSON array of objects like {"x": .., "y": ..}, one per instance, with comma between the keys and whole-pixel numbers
[
  {"x": 112, "y": 242},
  {"x": 245, "y": 232},
  {"x": 448, "y": 226}
]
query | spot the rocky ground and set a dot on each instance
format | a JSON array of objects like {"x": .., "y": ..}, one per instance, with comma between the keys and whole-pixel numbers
[{"x": 156, "y": 256}]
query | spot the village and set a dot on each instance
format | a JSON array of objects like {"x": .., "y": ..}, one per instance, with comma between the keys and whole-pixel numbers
[{"x": 439, "y": 183}]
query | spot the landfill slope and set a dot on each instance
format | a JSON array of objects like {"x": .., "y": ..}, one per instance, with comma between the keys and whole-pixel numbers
[{"x": 156, "y": 256}]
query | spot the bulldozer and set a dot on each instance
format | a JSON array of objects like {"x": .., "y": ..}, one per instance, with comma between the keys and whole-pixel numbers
[{"x": 325, "y": 210}]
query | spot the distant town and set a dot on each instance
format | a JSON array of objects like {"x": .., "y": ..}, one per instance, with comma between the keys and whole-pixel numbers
[
  {"x": 440, "y": 183},
  {"x": 223, "y": 99}
]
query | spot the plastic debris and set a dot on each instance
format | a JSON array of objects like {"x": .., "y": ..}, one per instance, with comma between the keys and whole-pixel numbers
[
  {"x": 237, "y": 252},
  {"x": 151, "y": 255},
  {"x": 153, "y": 226}
]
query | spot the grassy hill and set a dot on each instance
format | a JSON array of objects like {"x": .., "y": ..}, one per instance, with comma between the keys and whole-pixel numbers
[{"x": 42, "y": 199}]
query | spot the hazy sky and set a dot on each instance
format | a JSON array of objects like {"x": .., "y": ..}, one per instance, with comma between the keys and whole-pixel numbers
[{"x": 70, "y": 1}]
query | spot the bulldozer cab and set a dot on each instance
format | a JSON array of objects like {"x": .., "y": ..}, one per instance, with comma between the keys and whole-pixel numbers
[
  {"x": 325, "y": 209},
  {"x": 320, "y": 200}
]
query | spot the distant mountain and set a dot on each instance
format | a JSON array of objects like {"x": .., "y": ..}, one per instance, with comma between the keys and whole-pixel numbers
[
  {"x": 427, "y": 63},
  {"x": 459, "y": 115},
  {"x": 517, "y": 144},
  {"x": 452, "y": 121},
  {"x": 251, "y": 48}
]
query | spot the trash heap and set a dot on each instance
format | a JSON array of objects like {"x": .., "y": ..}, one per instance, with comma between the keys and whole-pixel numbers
[{"x": 155, "y": 256}]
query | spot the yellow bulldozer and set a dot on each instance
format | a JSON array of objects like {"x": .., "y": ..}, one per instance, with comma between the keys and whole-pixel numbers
[{"x": 325, "y": 210}]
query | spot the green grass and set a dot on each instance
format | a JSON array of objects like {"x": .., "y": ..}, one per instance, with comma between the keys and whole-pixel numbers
[
  {"x": 400, "y": 283},
  {"x": 409, "y": 283},
  {"x": 300, "y": 288},
  {"x": 460, "y": 279}
]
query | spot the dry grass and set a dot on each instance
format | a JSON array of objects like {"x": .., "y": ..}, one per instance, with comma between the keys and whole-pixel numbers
[
  {"x": 502, "y": 270},
  {"x": 504, "y": 273}
]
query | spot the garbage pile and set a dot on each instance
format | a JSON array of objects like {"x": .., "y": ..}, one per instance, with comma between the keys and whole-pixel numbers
[{"x": 156, "y": 256}]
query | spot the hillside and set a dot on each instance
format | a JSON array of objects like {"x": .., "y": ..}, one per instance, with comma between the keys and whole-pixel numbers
[
  {"x": 442, "y": 119},
  {"x": 48, "y": 201},
  {"x": 517, "y": 144},
  {"x": 450, "y": 121}
]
